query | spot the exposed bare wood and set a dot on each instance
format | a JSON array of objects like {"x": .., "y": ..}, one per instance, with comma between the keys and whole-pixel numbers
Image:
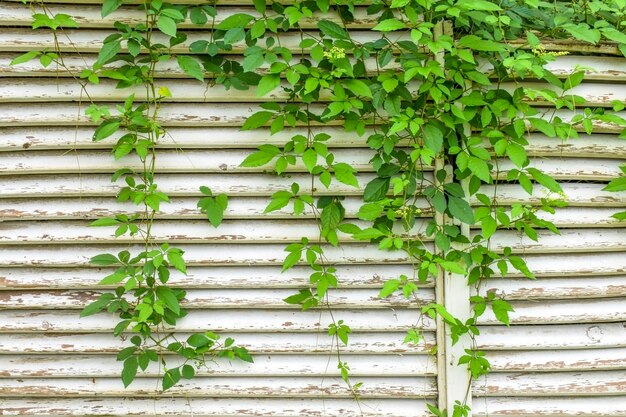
[
  {"x": 232, "y": 320},
  {"x": 577, "y": 384},
  {"x": 256, "y": 343},
  {"x": 548, "y": 336},
  {"x": 572, "y": 360},
  {"x": 217, "y": 299}
]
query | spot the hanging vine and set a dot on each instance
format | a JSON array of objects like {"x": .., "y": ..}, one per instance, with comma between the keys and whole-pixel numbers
[{"x": 444, "y": 113}]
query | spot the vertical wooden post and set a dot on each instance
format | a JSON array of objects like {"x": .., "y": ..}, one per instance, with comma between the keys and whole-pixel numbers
[{"x": 453, "y": 293}]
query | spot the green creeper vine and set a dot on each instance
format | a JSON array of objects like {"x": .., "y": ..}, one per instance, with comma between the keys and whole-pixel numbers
[{"x": 435, "y": 90}]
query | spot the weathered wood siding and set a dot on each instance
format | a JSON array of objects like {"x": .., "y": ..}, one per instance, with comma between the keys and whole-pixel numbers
[
  {"x": 565, "y": 351},
  {"x": 54, "y": 180},
  {"x": 568, "y": 336}
]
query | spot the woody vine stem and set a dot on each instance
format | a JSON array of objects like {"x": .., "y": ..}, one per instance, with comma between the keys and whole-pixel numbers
[{"x": 444, "y": 112}]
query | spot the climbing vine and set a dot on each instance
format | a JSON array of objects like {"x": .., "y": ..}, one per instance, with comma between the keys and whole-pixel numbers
[{"x": 435, "y": 89}]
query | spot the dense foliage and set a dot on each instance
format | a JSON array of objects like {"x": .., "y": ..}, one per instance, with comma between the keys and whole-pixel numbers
[{"x": 433, "y": 88}]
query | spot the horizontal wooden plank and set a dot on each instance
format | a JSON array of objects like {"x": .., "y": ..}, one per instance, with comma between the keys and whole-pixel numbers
[
  {"x": 181, "y": 209},
  {"x": 579, "y": 264},
  {"x": 179, "y": 138},
  {"x": 171, "y": 114},
  {"x": 596, "y": 69},
  {"x": 174, "y": 185},
  {"x": 589, "y": 146},
  {"x": 236, "y": 276},
  {"x": 594, "y": 267},
  {"x": 218, "y": 299},
  {"x": 552, "y": 384},
  {"x": 556, "y": 288},
  {"x": 577, "y": 195},
  {"x": 229, "y": 161},
  {"x": 102, "y": 366},
  {"x": 185, "y": 115},
  {"x": 580, "y": 169},
  {"x": 209, "y": 387},
  {"x": 167, "y": 161},
  {"x": 553, "y": 337},
  {"x": 215, "y": 407},
  {"x": 90, "y": 40},
  {"x": 257, "y": 343},
  {"x": 88, "y": 16},
  {"x": 71, "y": 138},
  {"x": 572, "y": 46},
  {"x": 562, "y": 312},
  {"x": 232, "y": 320},
  {"x": 572, "y": 360},
  {"x": 226, "y": 253},
  {"x": 18, "y": 90},
  {"x": 199, "y": 387},
  {"x": 197, "y": 254},
  {"x": 549, "y": 406},
  {"x": 270, "y": 231}
]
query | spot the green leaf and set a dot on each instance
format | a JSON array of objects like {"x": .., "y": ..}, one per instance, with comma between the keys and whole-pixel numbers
[
  {"x": 376, "y": 189},
  {"x": 198, "y": 340},
  {"x": 104, "y": 259},
  {"x": 175, "y": 257},
  {"x": 389, "y": 287},
  {"x": 617, "y": 184},
  {"x": 583, "y": 32},
  {"x": 188, "y": 371},
  {"x": 358, "y": 87},
  {"x": 238, "y": 20},
  {"x": 170, "y": 378},
  {"x": 108, "y": 51},
  {"x": 260, "y": 158},
  {"x": 191, "y": 67},
  {"x": 501, "y": 310},
  {"x": 167, "y": 25},
  {"x": 433, "y": 138},
  {"x": 267, "y": 83},
  {"x": 481, "y": 5},
  {"x": 332, "y": 30},
  {"x": 109, "y": 6},
  {"x": 545, "y": 180},
  {"x": 370, "y": 211},
  {"x": 367, "y": 234},
  {"x": 478, "y": 44},
  {"x": 114, "y": 278},
  {"x": 97, "y": 305},
  {"x": 129, "y": 371},
  {"x": 106, "y": 129},
  {"x": 460, "y": 210},
  {"x": 25, "y": 57},
  {"x": 389, "y": 25},
  {"x": 257, "y": 120},
  {"x": 105, "y": 221},
  {"x": 166, "y": 295}
]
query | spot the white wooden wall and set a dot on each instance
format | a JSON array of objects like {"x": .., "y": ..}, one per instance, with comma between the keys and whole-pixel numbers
[{"x": 568, "y": 337}]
